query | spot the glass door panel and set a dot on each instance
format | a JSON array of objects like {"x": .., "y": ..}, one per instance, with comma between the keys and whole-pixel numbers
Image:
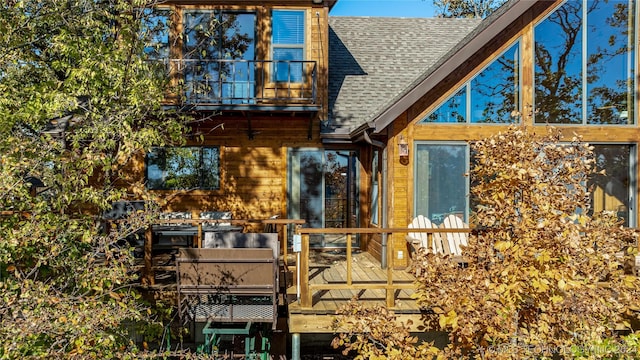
[{"x": 323, "y": 191}]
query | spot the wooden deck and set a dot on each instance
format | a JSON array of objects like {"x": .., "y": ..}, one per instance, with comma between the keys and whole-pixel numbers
[{"x": 368, "y": 284}]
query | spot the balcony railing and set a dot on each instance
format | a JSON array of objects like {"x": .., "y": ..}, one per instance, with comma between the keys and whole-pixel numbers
[{"x": 243, "y": 82}]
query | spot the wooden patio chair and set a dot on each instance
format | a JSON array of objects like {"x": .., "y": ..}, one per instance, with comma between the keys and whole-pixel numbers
[
  {"x": 421, "y": 239},
  {"x": 454, "y": 241}
]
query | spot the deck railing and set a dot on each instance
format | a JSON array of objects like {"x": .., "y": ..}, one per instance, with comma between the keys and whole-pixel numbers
[
  {"x": 306, "y": 290},
  {"x": 243, "y": 82}
]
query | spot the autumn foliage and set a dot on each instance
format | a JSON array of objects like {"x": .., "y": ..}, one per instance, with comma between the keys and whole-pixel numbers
[{"x": 543, "y": 276}]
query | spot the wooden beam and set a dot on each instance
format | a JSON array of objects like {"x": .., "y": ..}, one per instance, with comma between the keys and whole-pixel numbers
[{"x": 323, "y": 324}]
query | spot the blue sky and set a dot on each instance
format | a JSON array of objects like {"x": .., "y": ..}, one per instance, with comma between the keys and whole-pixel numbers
[{"x": 391, "y": 8}]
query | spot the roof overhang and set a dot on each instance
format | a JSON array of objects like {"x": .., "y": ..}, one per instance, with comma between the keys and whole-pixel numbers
[{"x": 486, "y": 32}]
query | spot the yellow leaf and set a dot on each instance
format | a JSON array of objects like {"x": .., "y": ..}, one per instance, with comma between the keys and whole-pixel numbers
[
  {"x": 503, "y": 245},
  {"x": 450, "y": 319},
  {"x": 556, "y": 299},
  {"x": 561, "y": 284}
]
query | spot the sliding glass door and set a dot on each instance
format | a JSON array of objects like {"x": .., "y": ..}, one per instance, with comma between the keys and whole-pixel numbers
[{"x": 323, "y": 189}]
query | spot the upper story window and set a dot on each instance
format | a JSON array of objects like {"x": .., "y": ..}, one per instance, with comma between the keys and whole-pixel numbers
[
  {"x": 288, "y": 33},
  {"x": 183, "y": 168},
  {"x": 218, "y": 53},
  {"x": 584, "y": 63},
  {"x": 490, "y": 97},
  {"x": 215, "y": 34}
]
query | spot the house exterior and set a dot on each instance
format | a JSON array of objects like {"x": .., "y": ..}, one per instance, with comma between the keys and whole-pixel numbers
[
  {"x": 366, "y": 122},
  {"x": 570, "y": 64}
]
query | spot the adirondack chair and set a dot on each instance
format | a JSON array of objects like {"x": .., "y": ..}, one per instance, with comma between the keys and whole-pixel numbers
[
  {"x": 453, "y": 240},
  {"x": 421, "y": 239}
]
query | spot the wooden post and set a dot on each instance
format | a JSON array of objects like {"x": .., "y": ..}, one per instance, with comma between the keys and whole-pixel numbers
[
  {"x": 305, "y": 293},
  {"x": 285, "y": 245},
  {"x": 390, "y": 292},
  {"x": 148, "y": 278},
  {"x": 349, "y": 260}
]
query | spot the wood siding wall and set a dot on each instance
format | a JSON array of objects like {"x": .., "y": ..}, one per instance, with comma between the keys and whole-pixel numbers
[{"x": 253, "y": 146}]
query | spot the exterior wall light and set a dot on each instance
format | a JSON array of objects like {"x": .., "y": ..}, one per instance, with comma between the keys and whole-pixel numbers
[{"x": 403, "y": 150}]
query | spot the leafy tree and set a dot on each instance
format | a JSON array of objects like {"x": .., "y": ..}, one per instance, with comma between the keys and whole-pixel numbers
[
  {"x": 78, "y": 103},
  {"x": 466, "y": 8},
  {"x": 540, "y": 276}
]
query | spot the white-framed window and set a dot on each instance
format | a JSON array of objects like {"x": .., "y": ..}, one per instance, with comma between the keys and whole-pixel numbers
[{"x": 287, "y": 45}]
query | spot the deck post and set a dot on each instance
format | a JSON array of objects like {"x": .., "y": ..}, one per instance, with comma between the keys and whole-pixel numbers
[
  {"x": 148, "y": 277},
  {"x": 305, "y": 293},
  {"x": 295, "y": 346},
  {"x": 285, "y": 245}
]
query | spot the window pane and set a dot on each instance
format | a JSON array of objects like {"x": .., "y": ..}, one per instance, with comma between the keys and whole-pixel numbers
[
  {"x": 155, "y": 32},
  {"x": 210, "y": 168},
  {"x": 288, "y": 27},
  {"x": 155, "y": 168},
  {"x": 611, "y": 191},
  {"x": 558, "y": 66},
  {"x": 201, "y": 35},
  {"x": 183, "y": 168},
  {"x": 239, "y": 32},
  {"x": 494, "y": 91},
  {"x": 441, "y": 184},
  {"x": 452, "y": 111},
  {"x": 609, "y": 62},
  {"x": 287, "y": 71}
]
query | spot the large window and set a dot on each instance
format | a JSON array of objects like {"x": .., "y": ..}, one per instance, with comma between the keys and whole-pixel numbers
[
  {"x": 490, "y": 97},
  {"x": 441, "y": 186},
  {"x": 287, "y": 45},
  {"x": 183, "y": 168},
  {"x": 218, "y": 49},
  {"x": 584, "y": 63}
]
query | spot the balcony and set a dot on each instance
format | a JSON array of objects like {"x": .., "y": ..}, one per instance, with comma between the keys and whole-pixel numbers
[{"x": 243, "y": 84}]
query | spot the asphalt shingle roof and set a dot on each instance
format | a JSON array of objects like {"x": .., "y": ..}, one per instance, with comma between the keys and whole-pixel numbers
[{"x": 373, "y": 59}]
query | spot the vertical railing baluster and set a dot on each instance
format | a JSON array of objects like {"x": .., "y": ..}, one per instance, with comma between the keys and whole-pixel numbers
[{"x": 349, "y": 260}]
